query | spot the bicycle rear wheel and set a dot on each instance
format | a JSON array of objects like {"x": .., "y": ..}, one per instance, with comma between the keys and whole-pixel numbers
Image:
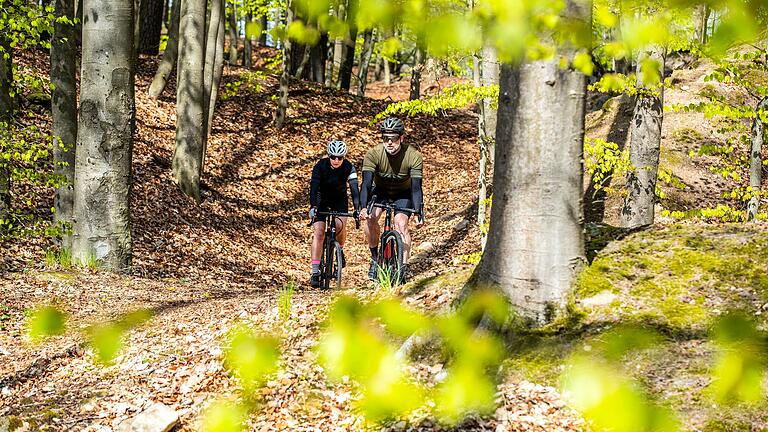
[{"x": 391, "y": 255}]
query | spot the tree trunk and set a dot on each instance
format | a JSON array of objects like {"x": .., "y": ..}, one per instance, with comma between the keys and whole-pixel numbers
[
  {"x": 233, "y": 35},
  {"x": 214, "y": 64},
  {"x": 169, "y": 56},
  {"x": 644, "y": 148},
  {"x": 64, "y": 116},
  {"x": 535, "y": 244},
  {"x": 282, "y": 102},
  {"x": 306, "y": 51},
  {"x": 387, "y": 72},
  {"x": 190, "y": 102},
  {"x": 489, "y": 75},
  {"x": 348, "y": 49},
  {"x": 418, "y": 66},
  {"x": 756, "y": 160},
  {"x": 318, "y": 56},
  {"x": 6, "y": 110},
  {"x": 102, "y": 224},
  {"x": 332, "y": 75},
  {"x": 702, "y": 15},
  {"x": 137, "y": 5},
  {"x": 365, "y": 60},
  {"x": 151, "y": 26},
  {"x": 263, "y": 35},
  {"x": 248, "y": 45}
]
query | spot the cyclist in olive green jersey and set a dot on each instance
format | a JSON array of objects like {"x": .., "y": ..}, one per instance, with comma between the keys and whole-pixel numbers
[{"x": 392, "y": 171}]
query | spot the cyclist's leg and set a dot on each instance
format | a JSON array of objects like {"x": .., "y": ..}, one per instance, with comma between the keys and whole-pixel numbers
[
  {"x": 318, "y": 234},
  {"x": 372, "y": 228},
  {"x": 401, "y": 225},
  {"x": 341, "y": 231}
]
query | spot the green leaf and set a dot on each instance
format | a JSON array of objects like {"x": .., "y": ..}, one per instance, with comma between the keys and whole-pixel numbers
[
  {"x": 583, "y": 63},
  {"x": 46, "y": 321},
  {"x": 250, "y": 357},
  {"x": 224, "y": 416}
]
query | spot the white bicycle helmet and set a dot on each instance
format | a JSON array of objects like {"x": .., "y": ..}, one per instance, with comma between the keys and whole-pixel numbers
[{"x": 337, "y": 148}]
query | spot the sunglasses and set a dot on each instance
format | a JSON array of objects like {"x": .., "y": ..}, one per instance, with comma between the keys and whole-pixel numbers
[
  {"x": 390, "y": 138},
  {"x": 331, "y": 157}
]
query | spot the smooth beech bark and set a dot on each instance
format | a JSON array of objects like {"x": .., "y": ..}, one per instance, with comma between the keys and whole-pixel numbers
[
  {"x": 64, "y": 116},
  {"x": 535, "y": 244},
  {"x": 190, "y": 102},
  {"x": 214, "y": 63},
  {"x": 102, "y": 223},
  {"x": 644, "y": 146},
  {"x": 168, "y": 62}
]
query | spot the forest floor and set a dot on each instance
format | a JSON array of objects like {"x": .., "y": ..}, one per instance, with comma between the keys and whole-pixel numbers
[{"x": 201, "y": 269}]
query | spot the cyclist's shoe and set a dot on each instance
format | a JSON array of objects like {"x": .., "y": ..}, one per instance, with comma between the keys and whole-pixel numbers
[
  {"x": 343, "y": 259},
  {"x": 402, "y": 274},
  {"x": 372, "y": 271},
  {"x": 315, "y": 280}
]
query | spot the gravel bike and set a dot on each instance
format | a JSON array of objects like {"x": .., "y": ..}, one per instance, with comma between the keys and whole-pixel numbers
[
  {"x": 331, "y": 260},
  {"x": 390, "y": 260}
]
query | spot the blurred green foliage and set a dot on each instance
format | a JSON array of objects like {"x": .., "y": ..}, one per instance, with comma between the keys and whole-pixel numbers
[{"x": 46, "y": 321}]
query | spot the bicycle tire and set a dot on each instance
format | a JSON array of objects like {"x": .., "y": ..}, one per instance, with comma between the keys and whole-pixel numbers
[
  {"x": 391, "y": 255},
  {"x": 327, "y": 272},
  {"x": 339, "y": 266}
]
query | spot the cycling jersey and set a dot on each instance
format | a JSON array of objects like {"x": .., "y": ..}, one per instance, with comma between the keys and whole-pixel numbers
[
  {"x": 328, "y": 186},
  {"x": 392, "y": 174}
]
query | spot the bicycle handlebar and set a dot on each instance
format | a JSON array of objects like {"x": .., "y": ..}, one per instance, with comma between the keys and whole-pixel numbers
[
  {"x": 335, "y": 214},
  {"x": 389, "y": 205}
]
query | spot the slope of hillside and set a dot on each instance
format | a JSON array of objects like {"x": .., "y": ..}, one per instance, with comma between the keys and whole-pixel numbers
[{"x": 202, "y": 268}]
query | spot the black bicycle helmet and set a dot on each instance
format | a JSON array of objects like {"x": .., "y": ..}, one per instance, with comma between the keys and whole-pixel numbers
[{"x": 392, "y": 125}]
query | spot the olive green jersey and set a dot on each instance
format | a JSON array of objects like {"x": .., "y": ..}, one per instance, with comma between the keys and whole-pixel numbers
[{"x": 393, "y": 173}]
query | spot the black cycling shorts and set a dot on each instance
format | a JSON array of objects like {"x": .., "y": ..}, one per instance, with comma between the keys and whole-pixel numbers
[
  {"x": 337, "y": 205},
  {"x": 399, "y": 199}
]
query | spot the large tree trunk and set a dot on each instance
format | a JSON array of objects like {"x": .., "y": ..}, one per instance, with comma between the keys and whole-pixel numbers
[
  {"x": 644, "y": 148},
  {"x": 282, "y": 102},
  {"x": 214, "y": 64},
  {"x": 6, "y": 109},
  {"x": 418, "y": 66},
  {"x": 233, "y": 35},
  {"x": 348, "y": 49},
  {"x": 756, "y": 160},
  {"x": 365, "y": 61},
  {"x": 190, "y": 102},
  {"x": 169, "y": 56},
  {"x": 64, "y": 116},
  {"x": 102, "y": 228},
  {"x": 151, "y": 26},
  {"x": 535, "y": 244}
]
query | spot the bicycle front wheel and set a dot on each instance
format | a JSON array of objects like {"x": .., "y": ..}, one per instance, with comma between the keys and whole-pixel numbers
[
  {"x": 391, "y": 255},
  {"x": 339, "y": 264},
  {"x": 329, "y": 255}
]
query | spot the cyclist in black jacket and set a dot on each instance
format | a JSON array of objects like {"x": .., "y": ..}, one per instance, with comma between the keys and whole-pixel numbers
[{"x": 328, "y": 191}]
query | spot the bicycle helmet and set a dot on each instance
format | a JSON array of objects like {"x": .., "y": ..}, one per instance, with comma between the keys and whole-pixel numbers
[
  {"x": 337, "y": 148},
  {"x": 392, "y": 125}
]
